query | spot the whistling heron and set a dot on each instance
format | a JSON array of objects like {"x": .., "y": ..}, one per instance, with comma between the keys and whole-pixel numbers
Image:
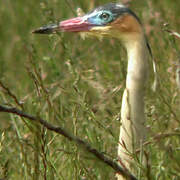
[{"x": 117, "y": 21}]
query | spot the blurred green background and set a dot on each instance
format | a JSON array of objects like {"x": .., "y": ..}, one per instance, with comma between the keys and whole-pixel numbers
[{"x": 78, "y": 84}]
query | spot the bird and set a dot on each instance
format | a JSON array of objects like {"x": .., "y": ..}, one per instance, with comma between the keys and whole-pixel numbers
[{"x": 115, "y": 20}]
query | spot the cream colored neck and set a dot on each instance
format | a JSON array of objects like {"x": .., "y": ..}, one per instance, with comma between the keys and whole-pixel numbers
[
  {"x": 137, "y": 70},
  {"x": 136, "y": 80},
  {"x": 132, "y": 130}
]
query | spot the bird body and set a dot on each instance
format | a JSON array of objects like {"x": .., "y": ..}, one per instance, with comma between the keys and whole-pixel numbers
[{"x": 117, "y": 21}]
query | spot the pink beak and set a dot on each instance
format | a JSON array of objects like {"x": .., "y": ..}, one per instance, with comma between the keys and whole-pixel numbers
[{"x": 78, "y": 24}]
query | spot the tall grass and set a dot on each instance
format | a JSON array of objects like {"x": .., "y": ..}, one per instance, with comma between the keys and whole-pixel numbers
[{"x": 78, "y": 85}]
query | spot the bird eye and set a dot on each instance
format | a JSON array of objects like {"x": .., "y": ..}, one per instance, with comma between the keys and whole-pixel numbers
[{"x": 104, "y": 16}]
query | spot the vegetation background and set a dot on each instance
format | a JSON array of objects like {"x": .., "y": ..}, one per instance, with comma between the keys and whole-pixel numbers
[{"x": 78, "y": 84}]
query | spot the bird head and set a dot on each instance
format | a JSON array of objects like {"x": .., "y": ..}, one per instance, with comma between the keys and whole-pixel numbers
[{"x": 113, "y": 19}]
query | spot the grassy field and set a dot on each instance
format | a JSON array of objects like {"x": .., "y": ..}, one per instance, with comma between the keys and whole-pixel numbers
[{"x": 78, "y": 85}]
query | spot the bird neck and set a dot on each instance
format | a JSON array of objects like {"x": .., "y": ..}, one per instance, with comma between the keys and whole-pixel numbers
[
  {"x": 132, "y": 109},
  {"x": 137, "y": 70},
  {"x": 132, "y": 130}
]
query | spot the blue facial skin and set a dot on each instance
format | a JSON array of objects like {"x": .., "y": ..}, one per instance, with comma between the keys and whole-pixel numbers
[{"x": 101, "y": 18}]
